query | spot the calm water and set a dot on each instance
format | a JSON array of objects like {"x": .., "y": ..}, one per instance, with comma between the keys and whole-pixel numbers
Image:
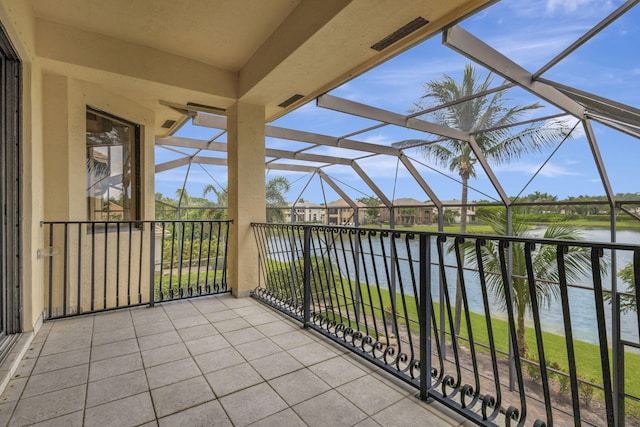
[{"x": 581, "y": 301}]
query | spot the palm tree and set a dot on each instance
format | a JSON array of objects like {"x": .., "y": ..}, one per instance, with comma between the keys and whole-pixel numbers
[
  {"x": 276, "y": 189},
  {"x": 482, "y": 112},
  {"x": 577, "y": 265},
  {"x": 627, "y": 302},
  {"x": 218, "y": 211}
]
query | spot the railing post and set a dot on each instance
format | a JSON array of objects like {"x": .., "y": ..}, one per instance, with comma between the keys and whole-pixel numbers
[
  {"x": 424, "y": 317},
  {"x": 306, "y": 248},
  {"x": 152, "y": 261}
]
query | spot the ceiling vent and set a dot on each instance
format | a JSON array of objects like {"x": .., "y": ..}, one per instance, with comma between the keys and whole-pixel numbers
[
  {"x": 206, "y": 107},
  {"x": 291, "y": 100},
  {"x": 168, "y": 124},
  {"x": 400, "y": 33}
]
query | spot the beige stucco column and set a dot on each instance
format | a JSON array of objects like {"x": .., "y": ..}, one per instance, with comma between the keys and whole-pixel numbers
[{"x": 246, "y": 152}]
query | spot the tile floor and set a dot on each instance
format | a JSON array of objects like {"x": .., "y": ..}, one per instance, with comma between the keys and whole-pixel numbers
[{"x": 202, "y": 362}]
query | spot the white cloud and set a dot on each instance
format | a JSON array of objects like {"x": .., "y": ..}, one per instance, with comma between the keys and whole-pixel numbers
[
  {"x": 567, "y": 6},
  {"x": 572, "y": 6},
  {"x": 550, "y": 170}
]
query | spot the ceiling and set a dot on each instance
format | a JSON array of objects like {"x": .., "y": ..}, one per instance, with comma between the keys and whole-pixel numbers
[{"x": 167, "y": 52}]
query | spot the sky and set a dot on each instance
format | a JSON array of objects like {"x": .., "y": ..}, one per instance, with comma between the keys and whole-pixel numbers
[{"x": 530, "y": 33}]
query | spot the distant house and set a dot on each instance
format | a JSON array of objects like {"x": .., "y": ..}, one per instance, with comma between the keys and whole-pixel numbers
[
  {"x": 305, "y": 212},
  {"x": 456, "y": 205},
  {"x": 340, "y": 213},
  {"x": 408, "y": 211}
]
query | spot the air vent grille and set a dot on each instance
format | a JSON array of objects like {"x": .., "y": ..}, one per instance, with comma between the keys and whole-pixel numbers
[
  {"x": 400, "y": 33},
  {"x": 168, "y": 124},
  {"x": 207, "y": 107},
  {"x": 291, "y": 100}
]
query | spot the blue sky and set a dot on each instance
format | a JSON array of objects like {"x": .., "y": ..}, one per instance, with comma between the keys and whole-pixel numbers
[{"x": 531, "y": 33}]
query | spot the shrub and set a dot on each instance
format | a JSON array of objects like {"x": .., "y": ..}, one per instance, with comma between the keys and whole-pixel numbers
[{"x": 585, "y": 390}]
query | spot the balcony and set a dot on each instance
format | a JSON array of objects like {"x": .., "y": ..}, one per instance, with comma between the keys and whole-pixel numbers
[
  {"x": 214, "y": 360},
  {"x": 337, "y": 331}
]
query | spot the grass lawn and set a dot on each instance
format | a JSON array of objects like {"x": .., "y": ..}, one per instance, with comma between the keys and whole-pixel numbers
[{"x": 454, "y": 228}]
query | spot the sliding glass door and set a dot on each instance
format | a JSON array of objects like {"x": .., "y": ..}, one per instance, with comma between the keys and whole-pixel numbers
[{"x": 10, "y": 192}]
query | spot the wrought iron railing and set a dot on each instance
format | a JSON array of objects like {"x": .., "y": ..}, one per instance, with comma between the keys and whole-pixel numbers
[
  {"x": 98, "y": 266},
  {"x": 570, "y": 357}
]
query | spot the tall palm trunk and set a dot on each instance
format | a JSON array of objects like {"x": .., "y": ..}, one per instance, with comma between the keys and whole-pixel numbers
[
  {"x": 521, "y": 336},
  {"x": 463, "y": 229}
]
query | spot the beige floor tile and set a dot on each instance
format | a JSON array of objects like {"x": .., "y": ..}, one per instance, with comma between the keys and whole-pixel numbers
[
  {"x": 260, "y": 318},
  {"x": 13, "y": 390},
  {"x": 56, "y": 380},
  {"x": 114, "y": 335},
  {"x": 219, "y": 316},
  {"x": 329, "y": 409},
  {"x": 229, "y": 380},
  {"x": 367, "y": 422},
  {"x": 220, "y": 359},
  {"x": 209, "y": 414},
  {"x": 172, "y": 372},
  {"x": 276, "y": 328},
  {"x": 286, "y": 418},
  {"x": 70, "y": 420},
  {"x": 6, "y": 409},
  {"x": 170, "y": 353},
  {"x": 369, "y": 394},
  {"x": 207, "y": 344},
  {"x": 181, "y": 395},
  {"x": 243, "y": 336},
  {"x": 250, "y": 310},
  {"x": 108, "y": 351},
  {"x": 188, "y": 322},
  {"x": 298, "y": 386},
  {"x": 153, "y": 328},
  {"x": 310, "y": 354},
  {"x": 291, "y": 340},
  {"x": 117, "y": 387},
  {"x": 257, "y": 349},
  {"x": 128, "y": 412},
  {"x": 337, "y": 371},
  {"x": 276, "y": 365},
  {"x": 46, "y": 406},
  {"x": 25, "y": 368},
  {"x": 406, "y": 412},
  {"x": 233, "y": 302},
  {"x": 114, "y": 366},
  {"x": 159, "y": 340},
  {"x": 112, "y": 321},
  {"x": 72, "y": 342},
  {"x": 231, "y": 324},
  {"x": 252, "y": 404},
  {"x": 208, "y": 304},
  {"x": 61, "y": 360},
  {"x": 195, "y": 332}
]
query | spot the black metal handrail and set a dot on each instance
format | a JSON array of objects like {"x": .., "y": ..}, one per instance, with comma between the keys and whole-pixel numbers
[
  {"x": 390, "y": 296},
  {"x": 97, "y": 266}
]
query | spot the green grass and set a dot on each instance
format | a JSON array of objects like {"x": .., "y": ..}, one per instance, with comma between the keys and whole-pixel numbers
[
  {"x": 454, "y": 228},
  {"x": 193, "y": 280},
  {"x": 588, "y": 360}
]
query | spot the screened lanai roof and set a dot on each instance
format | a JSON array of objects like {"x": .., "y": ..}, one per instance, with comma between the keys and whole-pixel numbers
[{"x": 360, "y": 144}]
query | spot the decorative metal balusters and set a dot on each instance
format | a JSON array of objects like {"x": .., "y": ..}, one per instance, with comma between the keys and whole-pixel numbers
[{"x": 384, "y": 294}]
